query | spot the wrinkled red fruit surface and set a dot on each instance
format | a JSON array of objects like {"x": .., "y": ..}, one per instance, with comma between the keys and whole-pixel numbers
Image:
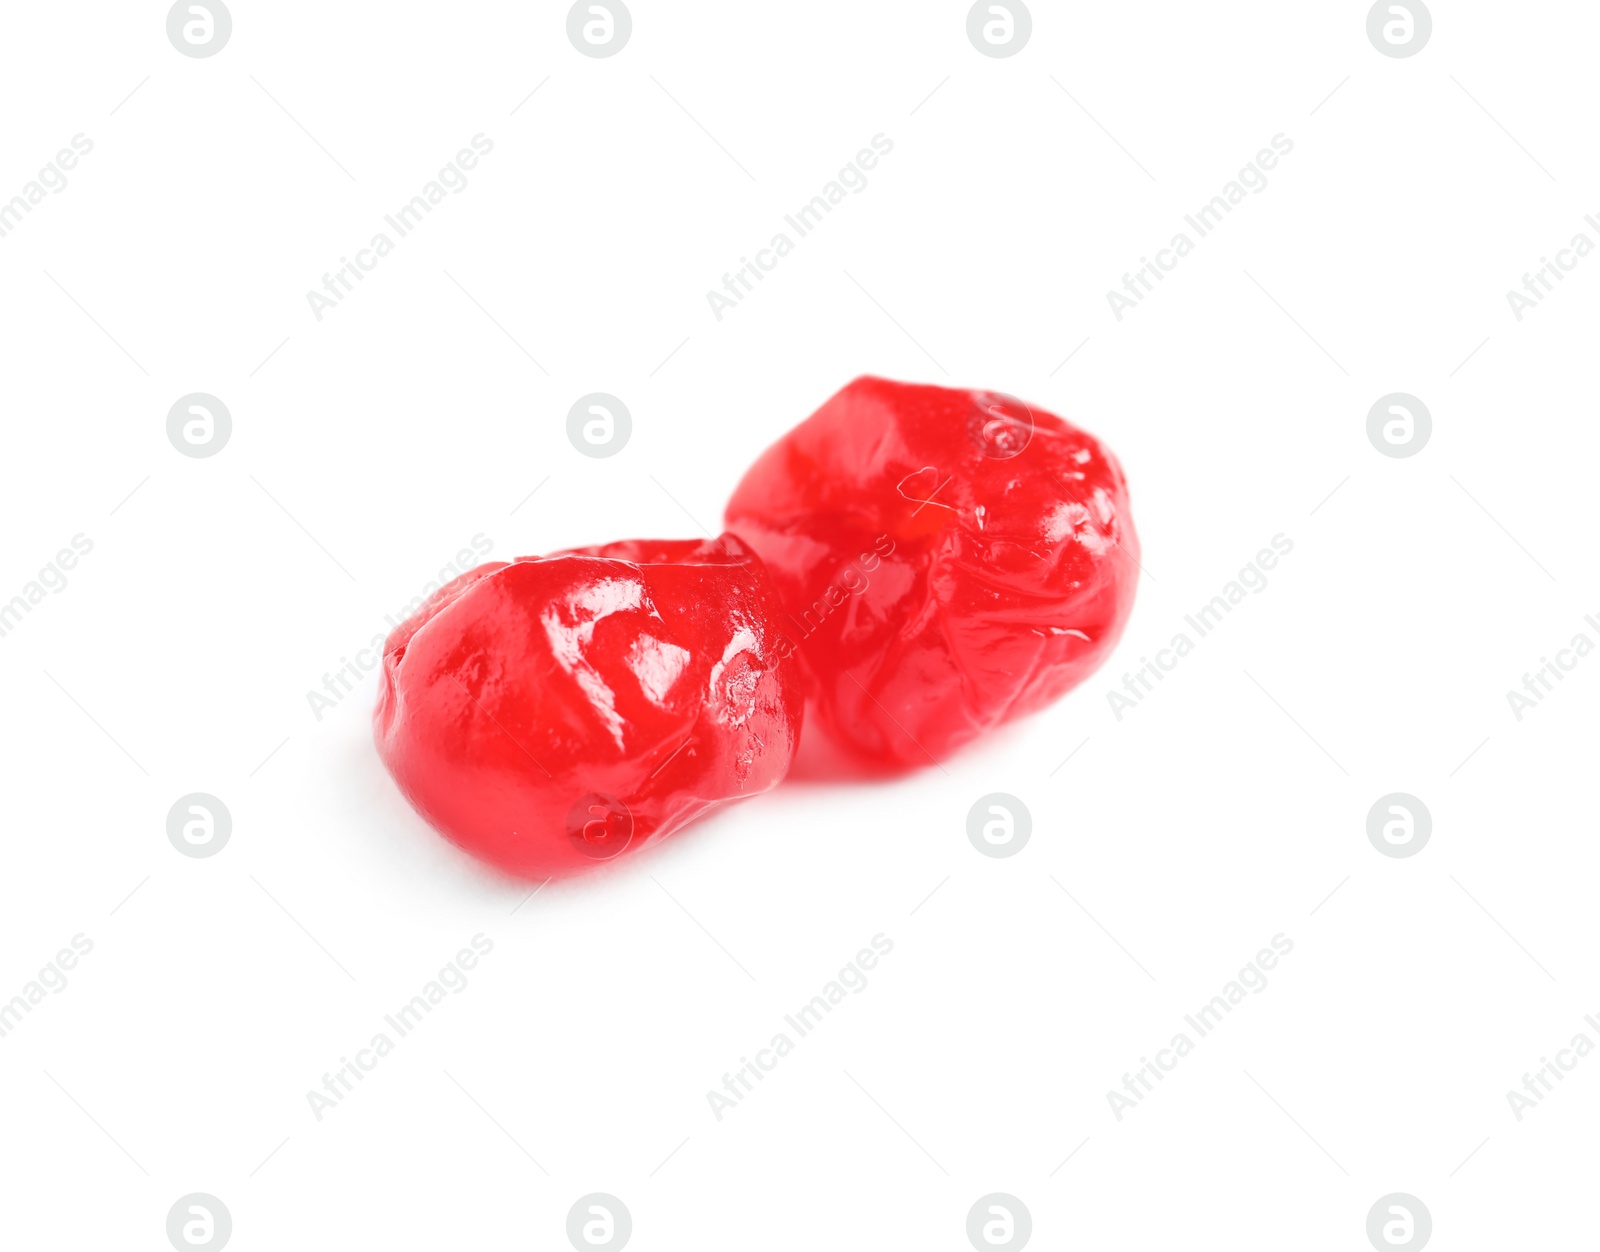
[
  {"x": 553, "y": 711},
  {"x": 947, "y": 560}
]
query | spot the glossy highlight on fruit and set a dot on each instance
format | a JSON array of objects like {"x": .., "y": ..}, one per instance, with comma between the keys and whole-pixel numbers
[
  {"x": 549, "y": 712},
  {"x": 948, "y": 560}
]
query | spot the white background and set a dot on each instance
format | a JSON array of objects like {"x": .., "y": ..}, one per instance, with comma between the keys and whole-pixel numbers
[{"x": 1223, "y": 810}]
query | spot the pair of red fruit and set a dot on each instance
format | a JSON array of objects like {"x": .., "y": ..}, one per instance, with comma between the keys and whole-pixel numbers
[{"x": 915, "y": 564}]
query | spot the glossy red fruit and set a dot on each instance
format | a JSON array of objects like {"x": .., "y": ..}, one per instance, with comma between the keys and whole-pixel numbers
[
  {"x": 948, "y": 560},
  {"x": 554, "y": 711}
]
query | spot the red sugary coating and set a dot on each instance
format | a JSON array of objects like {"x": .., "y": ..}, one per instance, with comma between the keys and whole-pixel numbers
[
  {"x": 947, "y": 560},
  {"x": 552, "y": 711}
]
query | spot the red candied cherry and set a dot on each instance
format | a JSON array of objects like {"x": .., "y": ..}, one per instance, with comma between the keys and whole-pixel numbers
[
  {"x": 947, "y": 560},
  {"x": 549, "y": 712}
]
